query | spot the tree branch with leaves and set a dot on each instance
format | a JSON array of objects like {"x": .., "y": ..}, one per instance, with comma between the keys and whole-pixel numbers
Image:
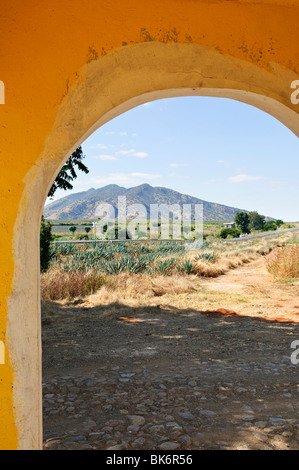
[{"x": 68, "y": 172}]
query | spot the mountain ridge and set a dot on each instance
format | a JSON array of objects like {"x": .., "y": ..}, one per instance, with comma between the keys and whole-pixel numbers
[{"x": 83, "y": 205}]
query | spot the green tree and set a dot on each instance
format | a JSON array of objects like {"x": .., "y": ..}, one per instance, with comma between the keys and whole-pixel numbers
[
  {"x": 257, "y": 221},
  {"x": 242, "y": 220},
  {"x": 45, "y": 242},
  {"x": 68, "y": 172},
  {"x": 279, "y": 222},
  {"x": 73, "y": 229},
  {"x": 87, "y": 229}
]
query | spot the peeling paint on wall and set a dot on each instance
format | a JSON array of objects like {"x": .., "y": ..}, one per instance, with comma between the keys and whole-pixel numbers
[
  {"x": 2, "y": 353},
  {"x": 2, "y": 93}
]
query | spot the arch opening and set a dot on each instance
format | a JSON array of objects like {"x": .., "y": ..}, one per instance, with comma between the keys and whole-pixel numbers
[{"x": 145, "y": 322}]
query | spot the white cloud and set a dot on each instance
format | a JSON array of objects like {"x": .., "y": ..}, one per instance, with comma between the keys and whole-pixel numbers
[
  {"x": 132, "y": 153},
  {"x": 105, "y": 157},
  {"x": 244, "y": 178},
  {"x": 124, "y": 152},
  {"x": 220, "y": 161},
  {"x": 140, "y": 154},
  {"x": 123, "y": 133},
  {"x": 178, "y": 165}
]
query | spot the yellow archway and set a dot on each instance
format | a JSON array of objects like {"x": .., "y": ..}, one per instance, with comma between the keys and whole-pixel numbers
[
  {"x": 102, "y": 92},
  {"x": 154, "y": 57}
]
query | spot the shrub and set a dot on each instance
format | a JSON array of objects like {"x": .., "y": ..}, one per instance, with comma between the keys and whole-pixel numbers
[
  {"x": 45, "y": 243},
  {"x": 269, "y": 227},
  {"x": 229, "y": 232}
]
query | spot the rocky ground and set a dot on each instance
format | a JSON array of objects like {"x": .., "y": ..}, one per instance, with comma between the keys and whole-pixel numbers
[{"x": 161, "y": 377}]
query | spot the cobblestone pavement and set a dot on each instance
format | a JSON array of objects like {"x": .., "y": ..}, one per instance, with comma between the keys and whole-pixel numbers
[{"x": 167, "y": 379}]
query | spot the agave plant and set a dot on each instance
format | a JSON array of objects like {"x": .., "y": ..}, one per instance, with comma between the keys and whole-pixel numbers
[
  {"x": 165, "y": 265},
  {"x": 187, "y": 266},
  {"x": 206, "y": 256}
]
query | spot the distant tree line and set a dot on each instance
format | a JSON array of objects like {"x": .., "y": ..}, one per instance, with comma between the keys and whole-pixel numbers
[{"x": 247, "y": 222}]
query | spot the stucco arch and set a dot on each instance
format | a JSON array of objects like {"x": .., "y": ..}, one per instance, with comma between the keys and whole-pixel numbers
[{"x": 104, "y": 89}]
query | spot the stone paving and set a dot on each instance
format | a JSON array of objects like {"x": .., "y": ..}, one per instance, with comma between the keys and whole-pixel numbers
[{"x": 168, "y": 380}]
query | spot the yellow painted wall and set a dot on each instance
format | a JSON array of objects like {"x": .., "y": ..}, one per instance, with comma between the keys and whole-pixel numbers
[{"x": 44, "y": 45}]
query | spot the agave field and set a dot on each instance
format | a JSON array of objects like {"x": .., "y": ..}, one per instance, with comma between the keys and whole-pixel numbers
[
  {"x": 113, "y": 258},
  {"x": 80, "y": 269}
]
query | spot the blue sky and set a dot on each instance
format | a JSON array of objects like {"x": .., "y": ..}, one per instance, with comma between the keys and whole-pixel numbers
[{"x": 215, "y": 149}]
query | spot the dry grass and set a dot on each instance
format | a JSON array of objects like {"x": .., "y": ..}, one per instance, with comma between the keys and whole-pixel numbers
[
  {"x": 173, "y": 285},
  {"x": 137, "y": 289},
  {"x": 283, "y": 262},
  {"x": 58, "y": 285}
]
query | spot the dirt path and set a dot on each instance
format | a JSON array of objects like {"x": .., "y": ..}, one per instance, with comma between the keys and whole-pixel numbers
[{"x": 258, "y": 294}]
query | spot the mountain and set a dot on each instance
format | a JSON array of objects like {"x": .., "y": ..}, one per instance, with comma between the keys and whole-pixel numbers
[{"x": 83, "y": 205}]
